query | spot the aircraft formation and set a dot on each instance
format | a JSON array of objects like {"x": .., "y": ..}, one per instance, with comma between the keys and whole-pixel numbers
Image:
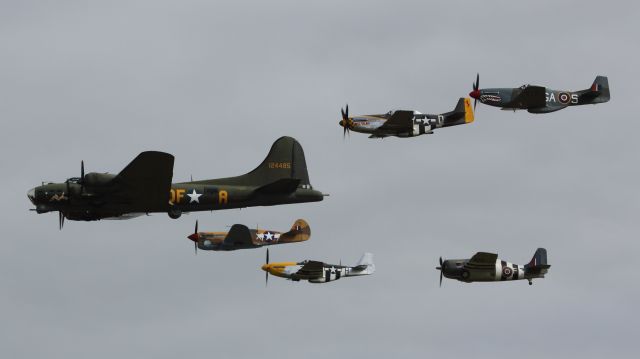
[{"x": 145, "y": 186}]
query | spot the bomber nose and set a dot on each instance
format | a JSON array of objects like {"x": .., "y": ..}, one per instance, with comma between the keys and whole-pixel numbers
[
  {"x": 341, "y": 123},
  {"x": 194, "y": 237},
  {"x": 475, "y": 94},
  {"x": 265, "y": 267},
  {"x": 32, "y": 195}
]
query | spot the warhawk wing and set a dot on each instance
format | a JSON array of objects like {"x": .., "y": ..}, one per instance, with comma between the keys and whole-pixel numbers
[
  {"x": 482, "y": 260},
  {"x": 239, "y": 236},
  {"x": 310, "y": 270},
  {"x": 401, "y": 121},
  {"x": 530, "y": 96},
  {"x": 146, "y": 181}
]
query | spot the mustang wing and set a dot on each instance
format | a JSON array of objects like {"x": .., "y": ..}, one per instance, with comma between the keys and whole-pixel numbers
[
  {"x": 311, "y": 269},
  {"x": 239, "y": 235},
  {"x": 145, "y": 182},
  {"x": 530, "y": 96},
  {"x": 400, "y": 121}
]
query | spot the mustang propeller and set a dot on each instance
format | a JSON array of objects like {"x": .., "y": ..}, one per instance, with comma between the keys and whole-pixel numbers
[
  {"x": 440, "y": 269},
  {"x": 346, "y": 121},
  {"x": 266, "y": 278},
  {"x": 195, "y": 237},
  {"x": 476, "y": 91}
]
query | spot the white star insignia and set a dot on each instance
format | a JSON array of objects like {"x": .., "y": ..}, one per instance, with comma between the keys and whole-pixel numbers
[
  {"x": 269, "y": 236},
  {"x": 194, "y": 196}
]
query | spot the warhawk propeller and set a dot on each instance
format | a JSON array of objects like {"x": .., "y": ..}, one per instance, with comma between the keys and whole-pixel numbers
[
  {"x": 402, "y": 123},
  {"x": 144, "y": 186},
  {"x": 319, "y": 272},
  {"x": 241, "y": 237},
  {"x": 487, "y": 267},
  {"x": 538, "y": 99}
]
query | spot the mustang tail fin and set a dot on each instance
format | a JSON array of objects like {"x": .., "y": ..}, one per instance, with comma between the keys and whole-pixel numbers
[
  {"x": 364, "y": 266},
  {"x": 538, "y": 266},
  {"x": 597, "y": 93},
  {"x": 283, "y": 170},
  {"x": 463, "y": 113}
]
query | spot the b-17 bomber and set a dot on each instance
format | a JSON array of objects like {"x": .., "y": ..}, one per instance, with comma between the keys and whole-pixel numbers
[
  {"x": 539, "y": 99},
  {"x": 403, "y": 123},
  {"x": 318, "y": 272},
  {"x": 487, "y": 267},
  {"x": 144, "y": 186},
  {"x": 241, "y": 237}
]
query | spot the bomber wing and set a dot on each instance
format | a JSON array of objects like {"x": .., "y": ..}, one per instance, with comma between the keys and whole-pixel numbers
[
  {"x": 530, "y": 96},
  {"x": 238, "y": 236},
  {"x": 311, "y": 269},
  {"x": 401, "y": 121},
  {"x": 146, "y": 181}
]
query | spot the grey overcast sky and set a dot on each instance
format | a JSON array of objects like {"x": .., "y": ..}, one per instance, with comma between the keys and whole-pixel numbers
[{"x": 215, "y": 83}]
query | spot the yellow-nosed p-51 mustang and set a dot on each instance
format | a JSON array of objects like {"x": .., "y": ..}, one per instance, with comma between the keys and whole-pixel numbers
[
  {"x": 318, "y": 272},
  {"x": 403, "y": 123}
]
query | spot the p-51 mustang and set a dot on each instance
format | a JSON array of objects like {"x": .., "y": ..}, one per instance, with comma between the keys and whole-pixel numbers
[
  {"x": 144, "y": 186},
  {"x": 538, "y": 99},
  {"x": 402, "y": 123},
  {"x": 486, "y": 267},
  {"x": 241, "y": 237},
  {"x": 318, "y": 272}
]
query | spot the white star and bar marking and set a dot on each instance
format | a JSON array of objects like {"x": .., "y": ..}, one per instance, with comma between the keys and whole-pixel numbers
[{"x": 194, "y": 196}]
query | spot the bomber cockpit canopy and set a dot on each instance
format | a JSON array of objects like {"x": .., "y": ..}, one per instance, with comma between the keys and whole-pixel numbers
[
  {"x": 74, "y": 180},
  {"x": 524, "y": 86}
]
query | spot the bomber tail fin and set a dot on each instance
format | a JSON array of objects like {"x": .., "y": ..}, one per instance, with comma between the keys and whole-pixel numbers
[{"x": 283, "y": 170}]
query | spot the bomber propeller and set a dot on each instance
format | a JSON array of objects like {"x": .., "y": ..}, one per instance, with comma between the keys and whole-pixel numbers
[
  {"x": 440, "y": 269},
  {"x": 60, "y": 219}
]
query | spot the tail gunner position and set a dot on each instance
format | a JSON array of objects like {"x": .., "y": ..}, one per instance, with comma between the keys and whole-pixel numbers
[
  {"x": 402, "y": 123},
  {"x": 144, "y": 186},
  {"x": 486, "y": 267}
]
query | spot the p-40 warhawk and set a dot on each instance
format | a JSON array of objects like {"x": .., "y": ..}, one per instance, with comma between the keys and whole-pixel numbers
[
  {"x": 241, "y": 237},
  {"x": 486, "y": 267},
  {"x": 318, "y": 272},
  {"x": 538, "y": 99},
  {"x": 144, "y": 186},
  {"x": 402, "y": 123}
]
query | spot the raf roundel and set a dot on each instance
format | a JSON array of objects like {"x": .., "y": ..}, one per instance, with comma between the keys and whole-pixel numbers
[{"x": 564, "y": 98}]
